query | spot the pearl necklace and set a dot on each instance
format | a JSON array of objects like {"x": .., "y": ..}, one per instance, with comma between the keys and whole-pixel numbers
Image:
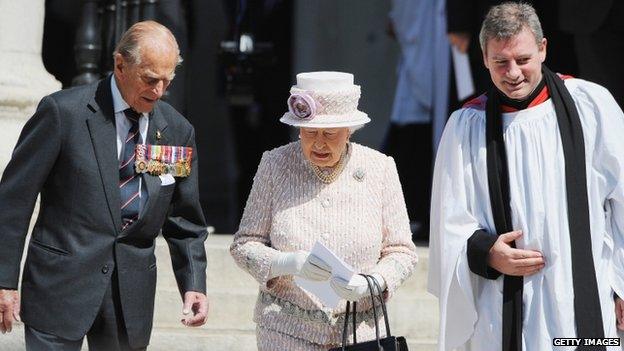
[{"x": 329, "y": 177}]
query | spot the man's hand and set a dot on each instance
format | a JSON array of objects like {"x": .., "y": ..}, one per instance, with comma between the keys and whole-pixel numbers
[
  {"x": 9, "y": 309},
  {"x": 619, "y": 313},
  {"x": 195, "y": 309},
  {"x": 460, "y": 40},
  {"x": 510, "y": 261}
]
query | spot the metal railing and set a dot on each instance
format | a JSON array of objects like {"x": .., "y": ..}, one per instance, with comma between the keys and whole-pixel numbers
[{"x": 102, "y": 24}]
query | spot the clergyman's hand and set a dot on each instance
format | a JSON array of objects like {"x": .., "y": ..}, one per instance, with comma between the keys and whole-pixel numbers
[
  {"x": 619, "y": 313},
  {"x": 510, "y": 261},
  {"x": 195, "y": 310},
  {"x": 9, "y": 309}
]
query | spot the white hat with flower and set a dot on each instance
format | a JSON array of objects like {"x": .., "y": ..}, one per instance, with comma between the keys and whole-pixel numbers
[{"x": 324, "y": 100}]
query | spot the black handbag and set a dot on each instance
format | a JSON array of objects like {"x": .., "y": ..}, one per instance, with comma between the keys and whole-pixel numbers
[{"x": 389, "y": 343}]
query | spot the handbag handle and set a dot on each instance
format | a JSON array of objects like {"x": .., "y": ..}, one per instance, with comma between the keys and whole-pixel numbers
[
  {"x": 371, "y": 288},
  {"x": 353, "y": 319},
  {"x": 383, "y": 305},
  {"x": 346, "y": 322}
]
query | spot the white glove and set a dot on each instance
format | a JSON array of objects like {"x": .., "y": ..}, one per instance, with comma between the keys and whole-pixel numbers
[
  {"x": 355, "y": 289},
  {"x": 300, "y": 263}
]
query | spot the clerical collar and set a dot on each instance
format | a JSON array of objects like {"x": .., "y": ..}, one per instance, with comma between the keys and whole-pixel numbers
[{"x": 539, "y": 95}]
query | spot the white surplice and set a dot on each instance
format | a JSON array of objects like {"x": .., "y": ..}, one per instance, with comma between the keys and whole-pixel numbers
[{"x": 471, "y": 306}]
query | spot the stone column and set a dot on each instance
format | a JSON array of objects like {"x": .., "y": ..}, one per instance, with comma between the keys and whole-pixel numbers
[
  {"x": 23, "y": 82},
  {"x": 23, "y": 79}
]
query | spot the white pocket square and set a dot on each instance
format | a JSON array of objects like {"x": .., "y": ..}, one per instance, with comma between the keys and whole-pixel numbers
[{"x": 166, "y": 179}]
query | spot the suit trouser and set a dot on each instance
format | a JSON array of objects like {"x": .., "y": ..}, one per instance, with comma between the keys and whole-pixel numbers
[
  {"x": 108, "y": 332},
  {"x": 410, "y": 146}
]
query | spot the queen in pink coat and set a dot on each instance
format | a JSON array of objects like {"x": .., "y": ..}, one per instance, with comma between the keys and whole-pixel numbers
[{"x": 328, "y": 189}]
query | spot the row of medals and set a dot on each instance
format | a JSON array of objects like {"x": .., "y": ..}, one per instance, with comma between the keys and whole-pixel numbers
[{"x": 153, "y": 167}]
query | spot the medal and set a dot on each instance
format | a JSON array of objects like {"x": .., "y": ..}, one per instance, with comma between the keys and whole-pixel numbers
[
  {"x": 141, "y": 166},
  {"x": 150, "y": 166},
  {"x": 163, "y": 159}
]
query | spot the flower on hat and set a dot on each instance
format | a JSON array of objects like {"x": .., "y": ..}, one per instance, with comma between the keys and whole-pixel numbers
[{"x": 302, "y": 105}]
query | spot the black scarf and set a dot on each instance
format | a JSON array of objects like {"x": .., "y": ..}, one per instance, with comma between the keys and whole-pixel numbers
[{"x": 587, "y": 310}]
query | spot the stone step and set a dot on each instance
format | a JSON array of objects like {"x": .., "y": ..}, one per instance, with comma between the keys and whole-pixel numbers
[
  {"x": 13, "y": 341},
  {"x": 422, "y": 344},
  {"x": 223, "y": 271},
  {"x": 165, "y": 339},
  {"x": 232, "y": 292},
  {"x": 228, "y": 309},
  {"x": 197, "y": 339},
  {"x": 204, "y": 340},
  {"x": 414, "y": 316},
  {"x": 193, "y": 339}
]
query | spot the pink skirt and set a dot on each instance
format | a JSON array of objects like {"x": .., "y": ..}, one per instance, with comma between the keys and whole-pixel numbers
[{"x": 270, "y": 340}]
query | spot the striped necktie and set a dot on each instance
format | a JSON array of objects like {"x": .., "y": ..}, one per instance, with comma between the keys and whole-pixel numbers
[{"x": 129, "y": 180}]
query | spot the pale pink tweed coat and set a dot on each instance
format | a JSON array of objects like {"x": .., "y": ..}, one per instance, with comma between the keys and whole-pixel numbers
[{"x": 361, "y": 216}]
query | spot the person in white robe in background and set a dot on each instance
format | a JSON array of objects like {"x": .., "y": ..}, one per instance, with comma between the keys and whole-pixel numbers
[
  {"x": 471, "y": 304},
  {"x": 420, "y": 107},
  {"x": 424, "y": 63}
]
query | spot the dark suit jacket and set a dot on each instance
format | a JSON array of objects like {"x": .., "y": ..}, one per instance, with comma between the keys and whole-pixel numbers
[{"x": 68, "y": 152}]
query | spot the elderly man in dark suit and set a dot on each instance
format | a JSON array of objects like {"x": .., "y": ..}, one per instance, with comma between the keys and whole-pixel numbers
[{"x": 91, "y": 269}]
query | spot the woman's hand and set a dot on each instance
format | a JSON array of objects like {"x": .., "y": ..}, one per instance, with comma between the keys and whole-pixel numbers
[
  {"x": 355, "y": 289},
  {"x": 301, "y": 264}
]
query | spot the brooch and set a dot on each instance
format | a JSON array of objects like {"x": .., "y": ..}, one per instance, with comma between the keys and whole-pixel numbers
[{"x": 359, "y": 174}]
